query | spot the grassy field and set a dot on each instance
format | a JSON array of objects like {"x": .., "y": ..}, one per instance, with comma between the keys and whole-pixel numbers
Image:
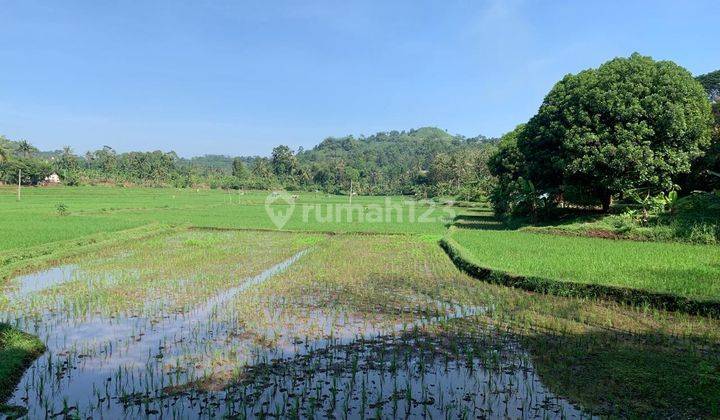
[{"x": 35, "y": 219}]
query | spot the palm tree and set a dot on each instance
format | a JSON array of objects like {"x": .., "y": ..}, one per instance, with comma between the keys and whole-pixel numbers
[{"x": 25, "y": 149}]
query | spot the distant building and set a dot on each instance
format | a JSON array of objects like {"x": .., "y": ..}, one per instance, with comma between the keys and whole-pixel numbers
[{"x": 52, "y": 179}]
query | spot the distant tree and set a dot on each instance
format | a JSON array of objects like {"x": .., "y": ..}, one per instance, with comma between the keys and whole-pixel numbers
[
  {"x": 67, "y": 161},
  {"x": 25, "y": 149},
  {"x": 4, "y": 150},
  {"x": 632, "y": 123},
  {"x": 104, "y": 159},
  {"x": 440, "y": 171},
  {"x": 261, "y": 168},
  {"x": 322, "y": 176},
  {"x": 239, "y": 170},
  {"x": 33, "y": 170},
  {"x": 283, "y": 160}
]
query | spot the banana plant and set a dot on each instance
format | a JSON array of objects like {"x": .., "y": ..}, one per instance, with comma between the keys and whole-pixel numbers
[{"x": 670, "y": 201}]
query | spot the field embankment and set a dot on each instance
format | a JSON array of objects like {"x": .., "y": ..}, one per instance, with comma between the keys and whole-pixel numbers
[{"x": 17, "y": 351}]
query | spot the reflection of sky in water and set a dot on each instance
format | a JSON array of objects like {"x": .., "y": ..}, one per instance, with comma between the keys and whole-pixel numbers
[
  {"x": 23, "y": 286},
  {"x": 96, "y": 363}
]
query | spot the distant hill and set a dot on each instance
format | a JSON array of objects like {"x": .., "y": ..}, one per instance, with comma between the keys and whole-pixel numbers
[
  {"x": 391, "y": 158},
  {"x": 403, "y": 149}
]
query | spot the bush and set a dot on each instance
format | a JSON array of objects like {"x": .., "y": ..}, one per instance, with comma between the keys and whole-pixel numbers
[
  {"x": 704, "y": 233},
  {"x": 62, "y": 209},
  {"x": 699, "y": 206},
  {"x": 71, "y": 178}
]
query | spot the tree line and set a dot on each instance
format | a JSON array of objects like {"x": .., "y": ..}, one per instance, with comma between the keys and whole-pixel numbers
[{"x": 425, "y": 162}]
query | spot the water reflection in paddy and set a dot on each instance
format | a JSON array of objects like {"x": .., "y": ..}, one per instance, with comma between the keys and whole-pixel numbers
[{"x": 290, "y": 360}]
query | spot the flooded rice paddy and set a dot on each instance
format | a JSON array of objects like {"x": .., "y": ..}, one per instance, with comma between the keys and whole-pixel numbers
[{"x": 249, "y": 325}]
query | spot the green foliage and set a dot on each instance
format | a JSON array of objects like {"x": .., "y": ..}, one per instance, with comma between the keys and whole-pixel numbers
[
  {"x": 426, "y": 162},
  {"x": 25, "y": 149},
  {"x": 711, "y": 83},
  {"x": 632, "y": 123},
  {"x": 703, "y": 175},
  {"x": 284, "y": 162},
  {"x": 17, "y": 350},
  {"x": 508, "y": 165},
  {"x": 33, "y": 170},
  {"x": 62, "y": 209},
  {"x": 67, "y": 162},
  {"x": 4, "y": 149},
  {"x": 239, "y": 170},
  {"x": 669, "y": 218},
  {"x": 699, "y": 206}
]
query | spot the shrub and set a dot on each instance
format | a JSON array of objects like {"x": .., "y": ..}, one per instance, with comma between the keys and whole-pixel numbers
[
  {"x": 699, "y": 206},
  {"x": 62, "y": 209}
]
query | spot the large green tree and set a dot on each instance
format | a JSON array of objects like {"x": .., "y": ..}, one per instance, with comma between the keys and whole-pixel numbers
[{"x": 632, "y": 123}]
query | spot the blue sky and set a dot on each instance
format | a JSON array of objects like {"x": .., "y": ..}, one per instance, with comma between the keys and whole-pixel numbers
[{"x": 239, "y": 77}]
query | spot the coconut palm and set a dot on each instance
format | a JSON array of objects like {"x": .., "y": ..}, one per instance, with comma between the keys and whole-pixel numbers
[
  {"x": 25, "y": 149},
  {"x": 4, "y": 153}
]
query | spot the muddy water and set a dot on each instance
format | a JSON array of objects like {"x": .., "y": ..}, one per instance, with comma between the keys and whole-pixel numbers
[{"x": 301, "y": 362}]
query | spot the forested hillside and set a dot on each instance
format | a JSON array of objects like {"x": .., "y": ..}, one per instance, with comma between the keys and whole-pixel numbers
[{"x": 428, "y": 161}]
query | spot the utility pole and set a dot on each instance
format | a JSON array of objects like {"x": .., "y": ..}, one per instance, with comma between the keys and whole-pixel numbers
[
  {"x": 351, "y": 192},
  {"x": 19, "y": 178}
]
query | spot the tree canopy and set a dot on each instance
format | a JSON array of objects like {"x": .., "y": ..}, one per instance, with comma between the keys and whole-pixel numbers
[
  {"x": 631, "y": 123},
  {"x": 711, "y": 83}
]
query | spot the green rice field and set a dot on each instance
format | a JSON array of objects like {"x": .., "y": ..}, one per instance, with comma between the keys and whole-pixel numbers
[
  {"x": 676, "y": 268},
  {"x": 35, "y": 220},
  {"x": 184, "y": 303}
]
